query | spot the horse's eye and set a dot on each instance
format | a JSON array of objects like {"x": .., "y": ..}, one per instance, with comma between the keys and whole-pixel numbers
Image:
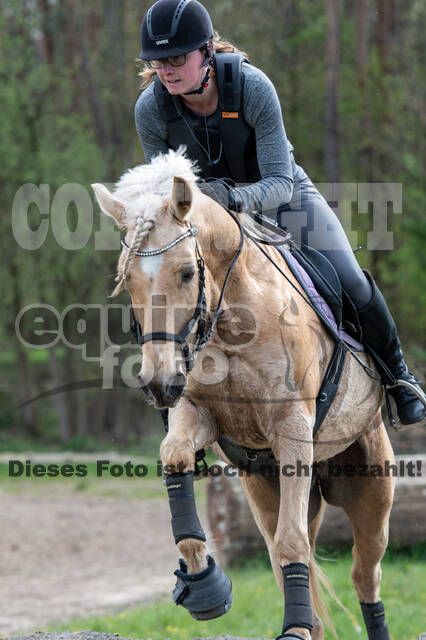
[{"x": 187, "y": 274}]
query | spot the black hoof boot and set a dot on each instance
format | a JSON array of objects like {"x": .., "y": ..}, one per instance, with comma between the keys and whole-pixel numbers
[{"x": 207, "y": 594}]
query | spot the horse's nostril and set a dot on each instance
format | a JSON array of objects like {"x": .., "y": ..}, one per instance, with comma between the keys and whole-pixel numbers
[
  {"x": 176, "y": 385},
  {"x": 178, "y": 380}
]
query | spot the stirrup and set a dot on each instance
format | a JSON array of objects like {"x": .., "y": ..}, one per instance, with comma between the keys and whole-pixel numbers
[{"x": 412, "y": 386}]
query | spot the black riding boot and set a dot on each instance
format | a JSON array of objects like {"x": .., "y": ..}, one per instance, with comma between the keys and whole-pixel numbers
[{"x": 380, "y": 335}]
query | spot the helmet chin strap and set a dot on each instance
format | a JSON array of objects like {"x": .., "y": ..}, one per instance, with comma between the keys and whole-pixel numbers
[
  {"x": 209, "y": 63},
  {"x": 204, "y": 84}
]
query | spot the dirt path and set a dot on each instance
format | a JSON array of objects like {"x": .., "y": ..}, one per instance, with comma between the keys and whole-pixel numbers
[{"x": 74, "y": 554}]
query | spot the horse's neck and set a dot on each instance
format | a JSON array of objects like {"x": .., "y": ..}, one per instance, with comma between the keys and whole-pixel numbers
[
  {"x": 219, "y": 233},
  {"x": 252, "y": 273}
]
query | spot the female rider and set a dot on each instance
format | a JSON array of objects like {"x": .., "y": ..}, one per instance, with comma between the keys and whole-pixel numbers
[{"x": 184, "y": 102}]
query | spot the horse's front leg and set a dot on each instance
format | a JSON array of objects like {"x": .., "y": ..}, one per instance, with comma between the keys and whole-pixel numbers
[
  {"x": 187, "y": 434},
  {"x": 202, "y": 587},
  {"x": 291, "y": 541}
]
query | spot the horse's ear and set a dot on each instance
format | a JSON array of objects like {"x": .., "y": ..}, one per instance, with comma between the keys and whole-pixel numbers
[
  {"x": 181, "y": 197},
  {"x": 109, "y": 205}
]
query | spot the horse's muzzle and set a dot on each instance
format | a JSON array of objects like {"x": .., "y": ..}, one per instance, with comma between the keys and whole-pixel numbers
[{"x": 165, "y": 393}]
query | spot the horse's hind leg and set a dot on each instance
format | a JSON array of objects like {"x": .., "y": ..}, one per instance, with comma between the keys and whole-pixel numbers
[
  {"x": 367, "y": 500},
  {"x": 263, "y": 495}
]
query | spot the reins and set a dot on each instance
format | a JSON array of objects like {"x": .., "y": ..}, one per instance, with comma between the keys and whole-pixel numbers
[
  {"x": 368, "y": 370},
  {"x": 219, "y": 309},
  {"x": 199, "y": 317}
]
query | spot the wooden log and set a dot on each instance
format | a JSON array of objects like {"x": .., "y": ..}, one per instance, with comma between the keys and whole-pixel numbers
[
  {"x": 235, "y": 535},
  {"x": 233, "y": 531}
]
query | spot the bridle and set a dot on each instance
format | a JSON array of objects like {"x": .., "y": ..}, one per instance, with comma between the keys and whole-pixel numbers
[{"x": 199, "y": 317}]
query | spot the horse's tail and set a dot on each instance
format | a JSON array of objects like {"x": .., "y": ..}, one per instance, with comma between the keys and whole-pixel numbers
[{"x": 320, "y": 584}]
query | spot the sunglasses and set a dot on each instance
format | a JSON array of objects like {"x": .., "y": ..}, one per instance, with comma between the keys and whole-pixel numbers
[{"x": 174, "y": 61}]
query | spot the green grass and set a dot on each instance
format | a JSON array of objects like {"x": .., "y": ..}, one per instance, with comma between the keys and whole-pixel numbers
[
  {"x": 50, "y": 441},
  {"x": 257, "y": 610},
  {"x": 106, "y": 484},
  {"x": 148, "y": 486},
  {"x": 129, "y": 488}
]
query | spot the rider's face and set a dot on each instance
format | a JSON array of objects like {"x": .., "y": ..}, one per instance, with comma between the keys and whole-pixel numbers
[{"x": 187, "y": 77}]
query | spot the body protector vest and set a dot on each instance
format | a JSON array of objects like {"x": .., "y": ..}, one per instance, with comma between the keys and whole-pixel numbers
[{"x": 223, "y": 144}]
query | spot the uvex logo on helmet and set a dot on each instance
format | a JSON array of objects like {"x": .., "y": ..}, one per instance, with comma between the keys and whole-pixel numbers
[{"x": 173, "y": 27}]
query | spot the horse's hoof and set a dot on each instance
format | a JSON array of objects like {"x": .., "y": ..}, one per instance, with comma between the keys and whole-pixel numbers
[{"x": 207, "y": 594}]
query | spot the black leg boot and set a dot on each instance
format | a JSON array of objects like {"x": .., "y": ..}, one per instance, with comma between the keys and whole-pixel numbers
[{"x": 380, "y": 336}]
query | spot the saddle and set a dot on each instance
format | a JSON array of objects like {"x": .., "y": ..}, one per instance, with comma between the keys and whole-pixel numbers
[{"x": 320, "y": 281}]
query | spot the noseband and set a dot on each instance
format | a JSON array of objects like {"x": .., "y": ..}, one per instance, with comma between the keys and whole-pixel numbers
[{"x": 203, "y": 335}]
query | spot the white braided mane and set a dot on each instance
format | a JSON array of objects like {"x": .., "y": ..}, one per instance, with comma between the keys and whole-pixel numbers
[{"x": 144, "y": 188}]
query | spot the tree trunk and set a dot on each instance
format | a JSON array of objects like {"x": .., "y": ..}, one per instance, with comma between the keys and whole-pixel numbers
[
  {"x": 80, "y": 401},
  {"x": 331, "y": 109},
  {"x": 59, "y": 399},
  {"x": 361, "y": 67},
  {"x": 47, "y": 39},
  {"x": 101, "y": 411},
  {"x": 116, "y": 46},
  {"x": 385, "y": 25},
  {"x": 231, "y": 523},
  {"x": 71, "y": 38},
  {"x": 384, "y": 161},
  {"x": 27, "y": 387},
  {"x": 91, "y": 87}
]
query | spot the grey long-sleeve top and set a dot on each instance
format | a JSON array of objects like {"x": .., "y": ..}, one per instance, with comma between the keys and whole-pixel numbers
[{"x": 262, "y": 112}]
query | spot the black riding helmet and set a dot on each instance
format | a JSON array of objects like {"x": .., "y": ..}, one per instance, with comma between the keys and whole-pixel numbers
[{"x": 173, "y": 27}]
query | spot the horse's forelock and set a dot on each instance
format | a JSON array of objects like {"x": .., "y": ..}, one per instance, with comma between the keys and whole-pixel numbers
[
  {"x": 148, "y": 206},
  {"x": 144, "y": 189}
]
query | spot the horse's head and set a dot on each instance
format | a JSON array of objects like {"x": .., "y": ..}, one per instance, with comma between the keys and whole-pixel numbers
[{"x": 160, "y": 266}]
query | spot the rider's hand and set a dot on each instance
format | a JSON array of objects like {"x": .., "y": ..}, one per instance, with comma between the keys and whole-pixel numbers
[{"x": 219, "y": 191}]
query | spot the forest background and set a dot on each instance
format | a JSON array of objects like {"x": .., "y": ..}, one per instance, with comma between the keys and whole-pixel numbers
[{"x": 350, "y": 77}]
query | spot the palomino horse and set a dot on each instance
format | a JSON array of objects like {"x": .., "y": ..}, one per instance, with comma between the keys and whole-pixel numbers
[{"x": 256, "y": 381}]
